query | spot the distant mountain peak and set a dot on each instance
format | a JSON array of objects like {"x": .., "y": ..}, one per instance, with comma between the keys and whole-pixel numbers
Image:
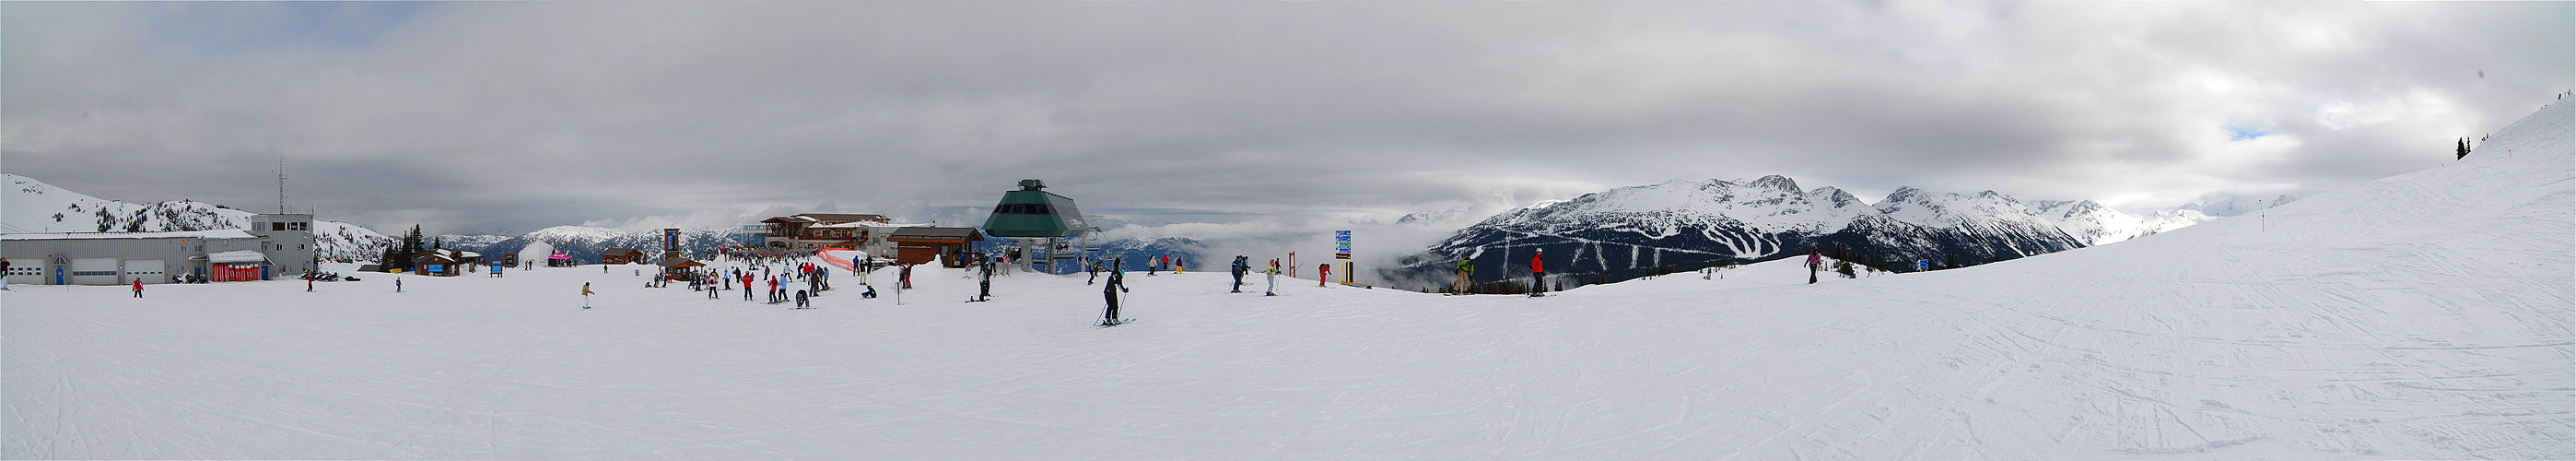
[{"x": 1776, "y": 182}]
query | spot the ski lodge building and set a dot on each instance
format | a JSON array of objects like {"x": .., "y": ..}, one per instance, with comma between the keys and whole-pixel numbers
[
  {"x": 921, "y": 245},
  {"x": 821, "y": 230},
  {"x": 622, "y": 256},
  {"x": 444, "y": 262},
  {"x": 275, "y": 246}
]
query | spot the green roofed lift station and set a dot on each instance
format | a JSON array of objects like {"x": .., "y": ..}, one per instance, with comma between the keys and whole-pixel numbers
[{"x": 1051, "y": 232}]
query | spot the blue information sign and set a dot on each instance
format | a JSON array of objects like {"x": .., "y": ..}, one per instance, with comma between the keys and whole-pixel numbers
[{"x": 1342, "y": 244}]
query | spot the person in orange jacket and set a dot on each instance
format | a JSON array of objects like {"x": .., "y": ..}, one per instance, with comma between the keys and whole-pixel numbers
[
  {"x": 138, "y": 288},
  {"x": 1538, "y": 273}
]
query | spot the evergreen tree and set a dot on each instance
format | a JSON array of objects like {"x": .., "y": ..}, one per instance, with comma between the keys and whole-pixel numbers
[{"x": 2464, "y": 149}]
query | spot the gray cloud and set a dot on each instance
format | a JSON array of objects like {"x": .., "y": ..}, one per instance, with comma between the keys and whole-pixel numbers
[{"x": 506, "y": 117}]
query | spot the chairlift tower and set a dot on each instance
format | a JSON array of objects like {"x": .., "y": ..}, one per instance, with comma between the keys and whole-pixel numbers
[{"x": 1043, "y": 223}]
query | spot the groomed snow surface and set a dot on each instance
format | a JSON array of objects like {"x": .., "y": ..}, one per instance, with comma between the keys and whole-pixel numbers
[{"x": 2422, "y": 316}]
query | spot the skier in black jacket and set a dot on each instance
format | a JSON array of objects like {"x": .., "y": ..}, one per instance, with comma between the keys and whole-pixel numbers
[
  {"x": 1117, "y": 284},
  {"x": 1241, "y": 266}
]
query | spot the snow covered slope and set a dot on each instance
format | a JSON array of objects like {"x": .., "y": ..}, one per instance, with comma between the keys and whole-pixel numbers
[
  {"x": 33, "y": 206},
  {"x": 2100, "y": 225},
  {"x": 2422, "y": 316}
]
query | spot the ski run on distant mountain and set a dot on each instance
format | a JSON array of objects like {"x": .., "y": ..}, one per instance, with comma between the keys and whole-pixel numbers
[{"x": 1682, "y": 225}]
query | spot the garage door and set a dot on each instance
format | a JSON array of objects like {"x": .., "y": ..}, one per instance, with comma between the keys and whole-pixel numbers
[
  {"x": 150, "y": 271},
  {"x": 94, "y": 271}
]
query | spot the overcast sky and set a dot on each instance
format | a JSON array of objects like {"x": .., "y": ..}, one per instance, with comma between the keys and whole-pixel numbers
[{"x": 501, "y": 117}]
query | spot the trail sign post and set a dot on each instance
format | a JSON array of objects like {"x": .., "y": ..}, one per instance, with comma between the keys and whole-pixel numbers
[{"x": 1342, "y": 252}]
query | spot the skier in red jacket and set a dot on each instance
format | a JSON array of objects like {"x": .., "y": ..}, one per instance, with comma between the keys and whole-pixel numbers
[{"x": 1538, "y": 273}]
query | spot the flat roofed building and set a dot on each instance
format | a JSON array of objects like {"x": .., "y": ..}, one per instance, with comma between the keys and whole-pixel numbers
[
  {"x": 921, "y": 245},
  {"x": 117, "y": 258},
  {"x": 817, "y": 230}
]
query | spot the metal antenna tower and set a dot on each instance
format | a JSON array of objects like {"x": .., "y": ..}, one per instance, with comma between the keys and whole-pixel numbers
[{"x": 281, "y": 187}]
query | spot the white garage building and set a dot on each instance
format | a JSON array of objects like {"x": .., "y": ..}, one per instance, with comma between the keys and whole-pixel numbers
[{"x": 275, "y": 246}]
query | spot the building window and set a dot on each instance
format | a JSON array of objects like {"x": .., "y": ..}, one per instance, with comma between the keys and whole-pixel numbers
[{"x": 277, "y": 226}]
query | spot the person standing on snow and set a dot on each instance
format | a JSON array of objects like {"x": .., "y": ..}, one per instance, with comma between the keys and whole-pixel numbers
[
  {"x": 585, "y": 295},
  {"x": 1154, "y": 266},
  {"x": 1241, "y": 266},
  {"x": 1273, "y": 289},
  {"x": 138, "y": 288},
  {"x": 1466, "y": 270},
  {"x": 1117, "y": 284},
  {"x": 1538, "y": 273},
  {"x": 1814, "y": 262},
  {"x": 907, "y": 276},
  {"x": 985, "y": 286},
  {"x": 1323, "y": 273},
  {"x": 4, "y": 274},
  {"x": 398, "y": 284}
]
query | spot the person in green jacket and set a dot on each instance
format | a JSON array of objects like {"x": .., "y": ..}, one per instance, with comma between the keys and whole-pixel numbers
[{"x": 1466, "y": 271}]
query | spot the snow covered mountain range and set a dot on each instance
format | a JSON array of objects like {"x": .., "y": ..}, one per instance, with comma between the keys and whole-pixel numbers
[
  {"x": 33, "y": 206},
  {"x": 1683, "y": 225},
  {"x": 584, "y": 243}
]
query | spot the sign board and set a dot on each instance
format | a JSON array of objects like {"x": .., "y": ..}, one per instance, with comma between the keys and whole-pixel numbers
[
  {"x": 1342, "y": 244},
  {"x": 670, "y": 240}
]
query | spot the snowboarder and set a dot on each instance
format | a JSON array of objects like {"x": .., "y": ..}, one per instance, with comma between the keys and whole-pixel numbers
[
  {"x": 1814, "y": 262},
  {"x": 1117, "y": 284},
  {"x": 1093, "y": 270},
  {"x": 870, "y": 294},
  {"x": 138, "y": 288},
  {"x": 1323, "y": 273},
  {"x": 986, "y": 285},
  {"x": 1241, "y": 266},
  {"x": 1538, "y": 273},
  {"x": 585, "y": 295},
  {"x": 1466, "y": 269}
]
